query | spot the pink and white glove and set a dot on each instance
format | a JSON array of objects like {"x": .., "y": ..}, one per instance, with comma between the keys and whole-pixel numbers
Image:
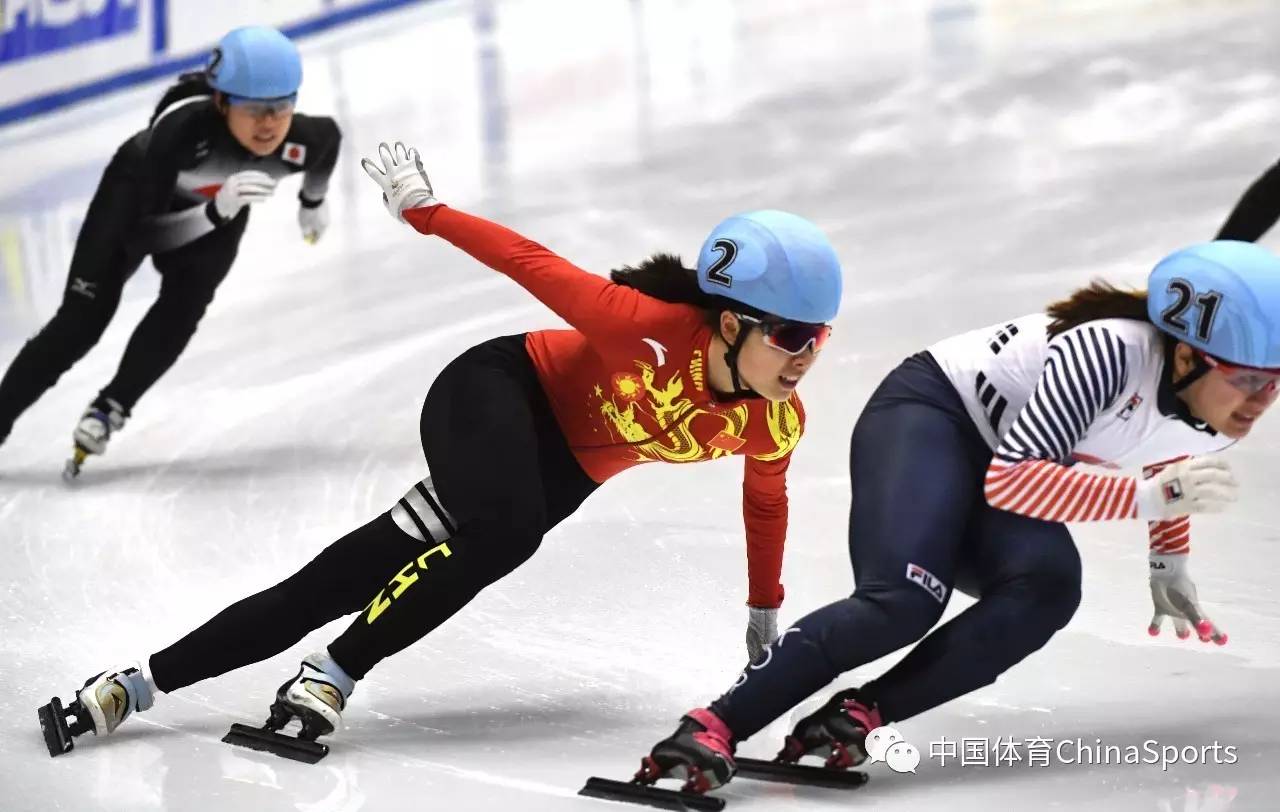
[{"x": 1174, "y": 595}]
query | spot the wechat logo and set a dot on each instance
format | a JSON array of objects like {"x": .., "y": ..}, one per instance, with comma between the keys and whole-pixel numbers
[{"x": 887, "y": 745}]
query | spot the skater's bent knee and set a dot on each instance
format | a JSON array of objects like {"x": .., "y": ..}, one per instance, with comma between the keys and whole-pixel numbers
[{"x": 879, "y": 620}]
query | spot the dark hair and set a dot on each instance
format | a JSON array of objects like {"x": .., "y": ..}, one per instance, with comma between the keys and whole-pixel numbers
[
  {"x": 193, "y": 83},
  {"x": 664, "y": 276},
  {"x": 1100, "y": 300}
]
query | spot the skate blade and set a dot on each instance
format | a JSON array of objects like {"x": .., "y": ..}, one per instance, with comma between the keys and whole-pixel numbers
[
  {"x": 53, "y": 723},
  {"x": 281, "y": 744},
  {"x": 629, "y": 792},
  {"x": 71, "y": 471},
  {"x": 760, "y": 770}
]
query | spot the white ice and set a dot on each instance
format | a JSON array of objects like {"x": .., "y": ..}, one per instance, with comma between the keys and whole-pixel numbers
[{"x": 972, "y": 161}]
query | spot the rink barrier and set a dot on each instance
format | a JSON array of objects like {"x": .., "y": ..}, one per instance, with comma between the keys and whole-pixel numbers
[{"x": 169, "y": 66}]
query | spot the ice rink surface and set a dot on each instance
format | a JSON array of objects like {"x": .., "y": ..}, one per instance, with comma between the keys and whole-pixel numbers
[{"x": 971, "y": 160}]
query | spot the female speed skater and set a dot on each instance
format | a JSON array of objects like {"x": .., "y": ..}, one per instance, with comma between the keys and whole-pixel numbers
[
  {"x": 662, "y": 364},
  {"x": 961, "y": 478},
  {"x": 179, "y": 190}
]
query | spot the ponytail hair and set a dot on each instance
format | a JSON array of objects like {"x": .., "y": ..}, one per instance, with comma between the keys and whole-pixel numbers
[
  {"x": 664, "y": 276},
  {"x": 1100, "y": 300},
  {"x": 192, "y": 83}
]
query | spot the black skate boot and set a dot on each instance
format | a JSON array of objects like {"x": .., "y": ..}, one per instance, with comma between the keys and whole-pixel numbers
[
  {"x": 837, "y": 732},
  {"x": 700, "y": 752}
]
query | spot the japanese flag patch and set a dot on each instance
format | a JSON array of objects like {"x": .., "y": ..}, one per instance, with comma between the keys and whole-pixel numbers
[{"x": 294, "y": 153}]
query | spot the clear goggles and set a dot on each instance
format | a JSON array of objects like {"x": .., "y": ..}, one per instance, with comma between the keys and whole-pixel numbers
[{"x": 264, "y": 108}]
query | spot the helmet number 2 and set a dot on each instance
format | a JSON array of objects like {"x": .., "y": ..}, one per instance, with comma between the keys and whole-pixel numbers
[
  {"x": 1208, "y": 303},
  {"x": 728, "y": 251}
]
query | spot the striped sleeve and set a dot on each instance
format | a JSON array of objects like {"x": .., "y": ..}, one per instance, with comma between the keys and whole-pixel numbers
[
  {"x": 1086, "y": 370},
  {"x": 1169, "y": 536}
]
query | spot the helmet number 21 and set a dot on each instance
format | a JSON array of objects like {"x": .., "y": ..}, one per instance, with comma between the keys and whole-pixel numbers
[{"x": 1208, "y": 303}]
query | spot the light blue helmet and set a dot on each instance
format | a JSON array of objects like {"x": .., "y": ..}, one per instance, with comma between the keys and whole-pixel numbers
[
  {"x": 774, "y": 262},
  {"x": 255, "y": 62},
  {"x": 1222, "y": 298}
]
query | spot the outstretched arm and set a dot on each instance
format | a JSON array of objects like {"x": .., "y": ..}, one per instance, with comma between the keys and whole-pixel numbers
[{"x": 592, "y": 304}]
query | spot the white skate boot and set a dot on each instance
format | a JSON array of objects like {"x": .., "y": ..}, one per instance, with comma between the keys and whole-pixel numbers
[
  {"x": 104, "y": 702},
  {"x": 103, "y": 418},
  {"x": 316, "y": 697}
]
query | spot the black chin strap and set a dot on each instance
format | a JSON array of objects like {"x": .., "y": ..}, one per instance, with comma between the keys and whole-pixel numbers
[
  {"x": 739, "y": 392},
  {"x": 1167, "y": 399},
  {"x": 1198, "y": 370}
]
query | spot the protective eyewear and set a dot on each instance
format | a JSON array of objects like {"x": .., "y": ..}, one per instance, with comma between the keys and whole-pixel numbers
[
  {"x": 1250, "y": 380},
  {"x": 264, "y": 108},
  {"x": 791, "y": 337}
]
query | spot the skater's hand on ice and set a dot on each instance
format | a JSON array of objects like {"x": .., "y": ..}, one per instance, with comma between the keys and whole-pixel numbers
[
  {"x": 1174, "y": 594},
  {"x": 762, "y": 628},
  {"x": 1196, "y": 485},
  {"x": 313, "y": 219},
  {"x": 403, "y": 181},
  {"x": 241, "y": 189}
]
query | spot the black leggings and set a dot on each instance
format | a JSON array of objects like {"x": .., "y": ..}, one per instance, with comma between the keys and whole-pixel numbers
[
  {"x": 918, "y": 525},
  {"x": 502, "y": 475},
  {"x": 108, "y": 251}
]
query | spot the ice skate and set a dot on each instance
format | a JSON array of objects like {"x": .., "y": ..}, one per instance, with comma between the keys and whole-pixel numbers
[
  {"x": 836, "y": 732},
  {"x": 104, "y": 702},
  {"x": 103, "y": 418},
  {"x": 316, "y": 697},
  {"x": 700, "y": 752}
]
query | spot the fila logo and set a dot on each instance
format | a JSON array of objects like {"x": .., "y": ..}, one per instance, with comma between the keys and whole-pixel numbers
[
  {"x": 1130, "y": 407},
  {"x": 927, "y": 581},
  {"x": 1173, "y": 491},
  {"x": 658, "y": 350},
  {"x": 294, "y": 153}
]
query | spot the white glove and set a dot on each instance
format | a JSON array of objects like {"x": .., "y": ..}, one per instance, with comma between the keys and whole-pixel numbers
[
  {"x": 314, "y": 220},
  {"x": 241, "y": 189},
  {"x": 762, "y": 628},
  {"x": 1174, "y": 594},
  {"x": 403, "y": 181},
  {"x": 1196, "y": 485}
]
